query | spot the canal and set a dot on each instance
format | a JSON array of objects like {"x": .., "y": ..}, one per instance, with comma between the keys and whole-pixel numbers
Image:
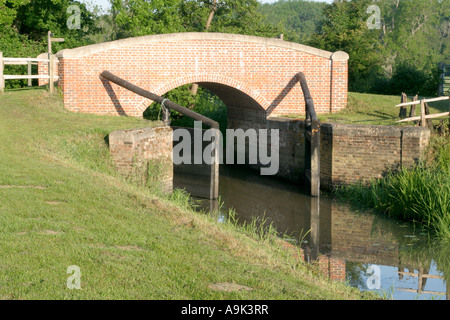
[{"x": 368, "y": 251}]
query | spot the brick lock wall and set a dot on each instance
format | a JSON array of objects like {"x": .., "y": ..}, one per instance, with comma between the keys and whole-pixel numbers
[
  {"x": 362, "y": 238},
  {"x": 348, "y": 153},
  {"x": 353, "y": 153},
  {"x": 291, "y": 147},
  {"x": 136, "y": 152},
  {"x": 262, "y": 70}
]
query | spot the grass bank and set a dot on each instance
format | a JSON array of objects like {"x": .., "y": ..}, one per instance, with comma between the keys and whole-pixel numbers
[{"x": 63, "y": 204}]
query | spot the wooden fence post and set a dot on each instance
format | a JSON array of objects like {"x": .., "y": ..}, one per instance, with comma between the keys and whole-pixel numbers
[
  {"x": 429, "y": 122},
  {"x": 30, "y": 81},
  {"x": 50, "y": 72},
  {"x": 402, "y": 112},
  {"x": 50, "y": 62},
  {"x": 2, "y": 80},
  {"x": 412, "y": 111},
  {"x": 214, "y": 183},
  {"x": 423, "y": 121}
]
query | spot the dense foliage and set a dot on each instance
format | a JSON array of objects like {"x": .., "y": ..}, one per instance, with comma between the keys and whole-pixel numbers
[
  {"x": 400, "y": 54},
  {"x": 300, "y": 19}
]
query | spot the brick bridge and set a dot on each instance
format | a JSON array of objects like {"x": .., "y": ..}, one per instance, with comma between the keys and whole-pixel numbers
[
  {"x": 253, "y": 76},
  {"x": 256, "y": 78}
]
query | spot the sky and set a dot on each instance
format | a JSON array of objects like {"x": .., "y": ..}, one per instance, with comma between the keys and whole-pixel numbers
[{"x": 105, "y": 3}]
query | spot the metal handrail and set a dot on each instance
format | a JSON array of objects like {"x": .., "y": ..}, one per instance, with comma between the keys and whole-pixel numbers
[
  {"x": 310, "y": 110},
  {"x": 164, "y": 102}
]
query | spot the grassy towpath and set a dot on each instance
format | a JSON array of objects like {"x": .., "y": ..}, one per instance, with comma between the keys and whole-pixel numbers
[{"x": 62, "y": 204}]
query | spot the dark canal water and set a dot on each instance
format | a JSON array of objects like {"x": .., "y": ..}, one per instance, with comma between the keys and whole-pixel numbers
[{"x": 370, "y": 251}]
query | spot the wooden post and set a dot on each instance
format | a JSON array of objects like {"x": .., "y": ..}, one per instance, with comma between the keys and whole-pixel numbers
[
  {"x": 50, "y": 61},
  {"x": 447, "y": 296},
  {"x": 315, "y": 159},
  {"x": 412, "y": 111},
  {"x": 420, "y": 281},
  {"x": 2, "y": 80},
  {"x": 403, "y": 99},
  {"x": 213, "y": 206},
  {"x": 314, "y": 226},
  {"x": 423, "y": 121},
  {"x": 214, "y": 184},
  {"x": 429, "y": 122},
  {"x": 50, "y": 73},
  {"x": 30, "y": 81}
]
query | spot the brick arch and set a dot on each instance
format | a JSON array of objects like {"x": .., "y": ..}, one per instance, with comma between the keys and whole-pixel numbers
[{"x": 210, "y": 81}]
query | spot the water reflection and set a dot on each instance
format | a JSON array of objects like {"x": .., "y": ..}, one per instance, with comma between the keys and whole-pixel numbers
[{"x": 347, "y": 245}]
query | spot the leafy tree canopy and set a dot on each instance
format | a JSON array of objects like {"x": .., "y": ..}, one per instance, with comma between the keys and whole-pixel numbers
[
  {"x": 300, "y": 18},
  {"x": 413, "y": 37}
]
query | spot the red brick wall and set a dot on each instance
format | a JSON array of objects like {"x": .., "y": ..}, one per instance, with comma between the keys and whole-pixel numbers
[
  {"x": 332, "y": 267},
  {"x": 43, "y": 69},
  {"x": 339, "y": 82},
  {"x": 262, "y": 69}
]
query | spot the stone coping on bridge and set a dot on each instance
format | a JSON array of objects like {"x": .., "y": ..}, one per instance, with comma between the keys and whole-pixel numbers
[{"x": 186, "y": 36}]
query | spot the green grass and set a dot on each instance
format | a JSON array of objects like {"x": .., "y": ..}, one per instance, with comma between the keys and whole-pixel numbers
[
  {"x": 63, "y": 204},
  {"x": 373, "y": 109}
]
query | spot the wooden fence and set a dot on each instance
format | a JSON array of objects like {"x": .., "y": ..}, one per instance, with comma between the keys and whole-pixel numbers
[
  {"x": 422, "y": 275},
  {"x": 423, "y": 110},
  {"x": 24, "y": 61}
]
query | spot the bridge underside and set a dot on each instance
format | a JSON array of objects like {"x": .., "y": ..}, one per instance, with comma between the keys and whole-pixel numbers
[{"x": 243, "y": 111}]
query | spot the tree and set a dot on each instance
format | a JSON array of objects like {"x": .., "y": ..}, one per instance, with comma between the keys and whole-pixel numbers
[
  {"x": 37, "y": 17},
  {"x": 412, "y": 39},
  {"x": 345, "y": 28},
  {"x": 300, "y": 18},
  {"x": 415, "y": 35},
  {"x": 142, "y": 17}
]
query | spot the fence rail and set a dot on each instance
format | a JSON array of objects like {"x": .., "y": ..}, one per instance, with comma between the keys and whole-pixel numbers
[
  {"x": 422, "y": 276},
  {"x": 22, "y": 77},
  {"x": 23, "y": 61},
  {"x": 423, "y": 116}
]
